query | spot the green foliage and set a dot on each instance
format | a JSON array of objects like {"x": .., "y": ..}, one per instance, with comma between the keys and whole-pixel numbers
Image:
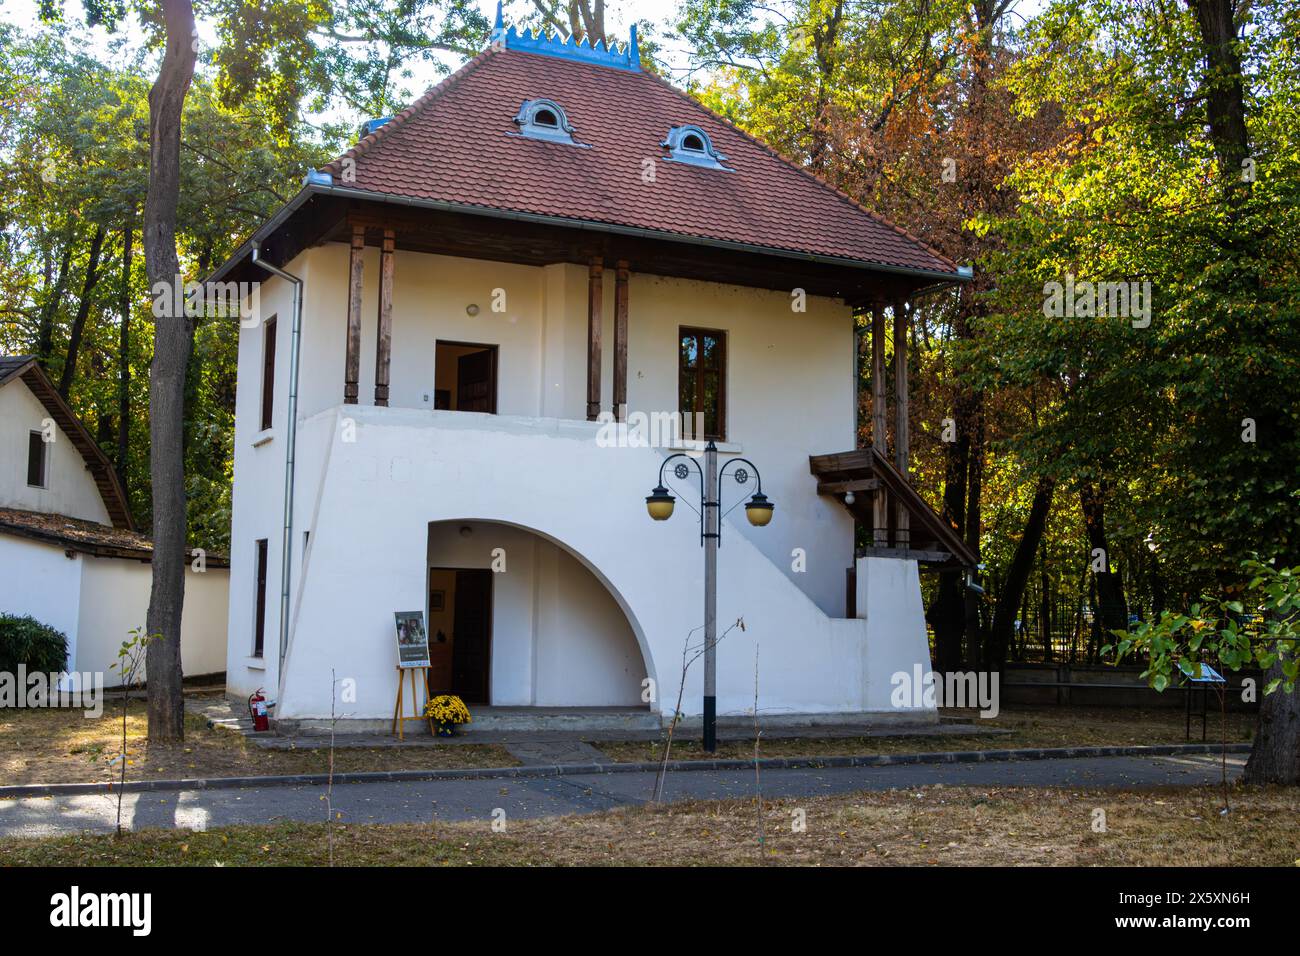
[
  {"x": 1222, "y": 630},
  {"x": 1194, "y": 419},
  {"x": 357, "y": 54},
  {"x": 36, "y": 646},
  {"x": 76, "y": 159},
  {"x": 130, "y": 661}
]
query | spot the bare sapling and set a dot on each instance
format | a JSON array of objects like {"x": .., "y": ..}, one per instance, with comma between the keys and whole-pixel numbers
[
  {"x": 130, "y": 666},
  {"x": 689, "y": 656}
]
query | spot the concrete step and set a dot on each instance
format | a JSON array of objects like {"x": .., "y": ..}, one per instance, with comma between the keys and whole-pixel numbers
[{"x": 505, "y": 719}]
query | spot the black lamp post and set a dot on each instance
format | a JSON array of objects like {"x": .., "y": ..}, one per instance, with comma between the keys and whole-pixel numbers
[{"x": 758, "y": 510}]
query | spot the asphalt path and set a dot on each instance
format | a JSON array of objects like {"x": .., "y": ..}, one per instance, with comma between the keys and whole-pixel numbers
[{"x": 521, "y": 797}]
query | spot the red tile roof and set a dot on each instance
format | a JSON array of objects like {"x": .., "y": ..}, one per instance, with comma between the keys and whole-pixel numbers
[{"x": 453, "y": 145}]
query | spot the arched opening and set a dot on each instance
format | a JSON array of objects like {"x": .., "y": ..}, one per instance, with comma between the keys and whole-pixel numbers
[{"x": 516, "y": 619}]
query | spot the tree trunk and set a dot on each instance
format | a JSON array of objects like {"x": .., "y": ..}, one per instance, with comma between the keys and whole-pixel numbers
[
  {"x": 50, "y": 308},
  {"x": 83, "y": 312},
  {"x": 1012, "y": 595},
  {"x": 1225, "y": 106},
  {"x": 173, "y": 341},
  {"x": 947, "y": 611},
  {"x": 1275, "y": 755},
  {"x": 1112, "y": 611},
  {"x": 972, "y": 625},
  {"x": 124, "y": 362}
]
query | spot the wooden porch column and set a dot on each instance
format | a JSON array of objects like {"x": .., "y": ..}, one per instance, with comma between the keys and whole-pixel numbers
[
  {"x": 902, "y": 439},
  {"x": 384, "y": 338},
  {"x": 879, "y": 434},
  {"x": 352, "y": 362},
  {"x": 595, "y": 299},
  {"x": 620, "y": 341}
]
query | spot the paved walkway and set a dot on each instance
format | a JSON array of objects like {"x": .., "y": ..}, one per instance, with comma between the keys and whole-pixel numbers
[
  {"x": 420, "y": 801},
  {"x": 567, "y": 746}
]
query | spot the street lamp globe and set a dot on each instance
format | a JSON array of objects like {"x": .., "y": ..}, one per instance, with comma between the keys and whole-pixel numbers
[
  {"x": 659, "y": 503},
  {"x": 758, "y": 510}
]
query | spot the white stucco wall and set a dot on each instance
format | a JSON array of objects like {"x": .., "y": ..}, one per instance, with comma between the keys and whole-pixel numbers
[
  {"x": 889, "y": 602},
  {"x": 41, "y": 580},
  {"x": 70, "y": 489},
  {"x": 115, "y": 601},
  {"x": 369, "y": 555}
]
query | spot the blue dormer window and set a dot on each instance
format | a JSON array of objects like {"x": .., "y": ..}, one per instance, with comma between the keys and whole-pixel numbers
[
  {"x": 545, "y": 119},
  {"x": 690, "y": 144}
]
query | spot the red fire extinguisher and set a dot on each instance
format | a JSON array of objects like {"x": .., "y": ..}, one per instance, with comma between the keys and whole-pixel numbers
[{"x": 257, "y": 710}]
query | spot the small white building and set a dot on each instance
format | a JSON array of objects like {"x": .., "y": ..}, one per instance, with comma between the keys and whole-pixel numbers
[
  {"x": 505, "y": 291},
  {"x": 69, "y": 553}
]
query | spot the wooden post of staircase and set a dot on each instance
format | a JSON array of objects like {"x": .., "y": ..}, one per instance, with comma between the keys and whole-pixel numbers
[
  {"x": 352, "y": 361},
  {"x": 384, "y": 338},
  {"x": 879, "y": 434},
  {"x": 902, "y": 531},
  {"x": 595, "y": 299}
]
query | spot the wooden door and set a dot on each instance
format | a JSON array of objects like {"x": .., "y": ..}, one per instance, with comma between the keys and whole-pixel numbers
[
  {"x": 472, "y": 644},
  {"x": 476, "y": 386}
]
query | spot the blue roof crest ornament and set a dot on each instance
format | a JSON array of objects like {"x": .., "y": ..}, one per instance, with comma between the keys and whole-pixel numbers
[{"x": 628, "y": 58}]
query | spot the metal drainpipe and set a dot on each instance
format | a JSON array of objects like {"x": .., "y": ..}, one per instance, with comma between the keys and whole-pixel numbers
[{"x": 291, "y": 445}]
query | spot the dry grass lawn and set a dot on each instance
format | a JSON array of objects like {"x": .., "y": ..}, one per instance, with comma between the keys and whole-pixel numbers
[
  {"x": 63, "y": 746},
  {"x": 1030, "y": 728},
  {"x": 933, "y": 826}
]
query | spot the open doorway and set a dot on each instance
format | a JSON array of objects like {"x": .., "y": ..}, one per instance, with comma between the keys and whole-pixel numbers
[
  {"x": 460, "y": 633},
  {"x": 465, "y": 377}
]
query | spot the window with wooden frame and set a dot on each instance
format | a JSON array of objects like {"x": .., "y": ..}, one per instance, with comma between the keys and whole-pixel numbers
[
  {"x": 36, "y": 462},
  {"x": 268, "y": 373},
  {"x": 702, "y": 383}
]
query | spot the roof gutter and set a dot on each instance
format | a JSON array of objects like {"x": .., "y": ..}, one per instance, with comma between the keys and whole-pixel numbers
[{"x": 315, "y": 186}]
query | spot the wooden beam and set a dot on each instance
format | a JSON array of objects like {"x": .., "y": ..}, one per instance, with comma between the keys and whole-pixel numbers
[
  {"x": 620, "y": 341},
  {"x": 901, "y": 426},
  {"x": 384, "y": 338},
  {"x": 907, "y": 554},
  {"x": 843, "y": 487},
  {"x": 352, "y": 361},
  {"x": 840, "y": 461},
  {"x": 879, "y": 435},
  {"x": 595, "y": 300}
]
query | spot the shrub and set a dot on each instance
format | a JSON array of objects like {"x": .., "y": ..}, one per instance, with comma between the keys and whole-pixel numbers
[{"x": 25, "y": 640}]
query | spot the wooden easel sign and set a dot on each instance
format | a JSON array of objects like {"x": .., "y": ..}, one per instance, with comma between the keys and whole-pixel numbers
[
  {"x": 412, "y": 640},
  {"x": 412, "y": 656}
]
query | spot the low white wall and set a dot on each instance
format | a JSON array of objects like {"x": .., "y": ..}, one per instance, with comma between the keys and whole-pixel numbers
[
  {"x": 889, "y": 601},
  {"x": 115, "y": 601},
  {"x": 40, "y": 580}
]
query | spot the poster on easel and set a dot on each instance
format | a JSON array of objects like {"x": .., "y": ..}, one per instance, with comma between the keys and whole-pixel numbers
[{"x": 412, "y": 639}]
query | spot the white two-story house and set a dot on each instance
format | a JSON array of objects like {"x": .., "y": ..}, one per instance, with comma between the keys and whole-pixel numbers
[{"x": 501, "y": 295}]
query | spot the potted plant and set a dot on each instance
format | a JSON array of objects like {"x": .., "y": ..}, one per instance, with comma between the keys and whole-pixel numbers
[{"x": 446, "y": 711}]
